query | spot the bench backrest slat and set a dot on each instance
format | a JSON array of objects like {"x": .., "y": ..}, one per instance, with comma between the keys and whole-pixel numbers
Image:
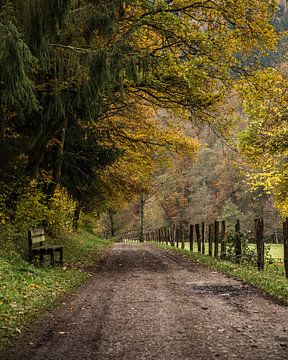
[{"x": 36, "y": 236}]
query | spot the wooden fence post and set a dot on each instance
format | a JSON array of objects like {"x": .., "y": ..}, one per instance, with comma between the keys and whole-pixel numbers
[
  {"x": 210, "y": 239},
  {"x": 191, "y": 237},
  {"x": 216, "y": 238},
  {"x": 203, "y": 237},
  {"x": 162, "y": 235},
  {"x": 259, "y": 235},
  {"x": 172, "y": 242},
  {"x": 166, "y": 234},
  {"x": 198, "y": 237},
  {"x": 182, "y": 238},
  {"x": 222, "y": 237},
  {"x": 285, "y": 244},
  {"x": 238, "y": 247},
  {"x": 172, "y": 236}
]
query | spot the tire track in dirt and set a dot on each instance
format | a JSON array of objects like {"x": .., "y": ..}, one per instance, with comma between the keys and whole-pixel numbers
[{"x": 146, "y": 303}]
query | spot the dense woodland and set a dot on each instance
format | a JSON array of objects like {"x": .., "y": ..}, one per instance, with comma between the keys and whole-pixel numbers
[{"x": 127, "y": 115}]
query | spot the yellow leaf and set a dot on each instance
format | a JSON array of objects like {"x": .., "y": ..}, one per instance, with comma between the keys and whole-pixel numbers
[{"x": 34, "y": 286}]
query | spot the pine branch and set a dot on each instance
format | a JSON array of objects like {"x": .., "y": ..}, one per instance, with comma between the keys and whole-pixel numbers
[
  {"x": 81, "y": 8},
  {"x": 72, "y": 48}
]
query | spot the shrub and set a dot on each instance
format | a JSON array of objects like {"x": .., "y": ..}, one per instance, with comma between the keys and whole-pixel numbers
[
  {"x": 61, "y": 211},
  {"x": 248, "y": 255},
  {"x": 32, "y": 209}
]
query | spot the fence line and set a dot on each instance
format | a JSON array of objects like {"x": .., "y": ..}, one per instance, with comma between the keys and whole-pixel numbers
[{"x": 217, "y": 235}]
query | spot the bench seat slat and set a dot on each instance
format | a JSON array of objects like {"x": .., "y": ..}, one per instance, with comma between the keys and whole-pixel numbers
[{"x": 37, "y": 239}]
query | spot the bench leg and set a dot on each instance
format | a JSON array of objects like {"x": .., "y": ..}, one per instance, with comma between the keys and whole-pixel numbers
[{"x": 52, "y": 258}]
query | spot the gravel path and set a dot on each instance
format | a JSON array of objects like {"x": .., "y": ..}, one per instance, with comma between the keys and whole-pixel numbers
[{"x": 145, "y": 303}]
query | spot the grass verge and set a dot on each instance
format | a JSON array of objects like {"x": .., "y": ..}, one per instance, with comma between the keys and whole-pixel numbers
[
  {"x": 27, "y": 291},
  {"x": 271, "y": 280}
]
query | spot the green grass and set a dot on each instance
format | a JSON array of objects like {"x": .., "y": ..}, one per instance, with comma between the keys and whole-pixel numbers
[
  {"x": 271, "y": 280},
  {"x": 27, "y": 291},
  {"x": 85, "y": 249},
  {"x": 276, "y": 250}
]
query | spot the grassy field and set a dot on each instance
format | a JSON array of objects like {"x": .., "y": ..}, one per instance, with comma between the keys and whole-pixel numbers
[
  {"x": 27, "y": 290},
  {"x": 276, "y": 250}
]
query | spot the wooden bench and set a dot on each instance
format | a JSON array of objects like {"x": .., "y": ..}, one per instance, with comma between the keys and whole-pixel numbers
[{"x": 38, "y": 247}]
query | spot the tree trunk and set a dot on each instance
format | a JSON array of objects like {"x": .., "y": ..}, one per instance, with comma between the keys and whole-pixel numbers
[
  {"x": 2, "y": 125},
  {"x": 142, "y": 209},
  {"x": 111, "y": 218},
  {"x": 58, "y": 162},
  {"x": 38, "y": 151},
  {"x": 76, "y": 216}
]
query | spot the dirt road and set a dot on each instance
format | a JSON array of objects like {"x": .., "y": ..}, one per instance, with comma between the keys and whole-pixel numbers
[{"x": 143, "y": 303}]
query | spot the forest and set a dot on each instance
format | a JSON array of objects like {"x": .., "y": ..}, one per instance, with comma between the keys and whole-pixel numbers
[{"x": 127, "y": 115}]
